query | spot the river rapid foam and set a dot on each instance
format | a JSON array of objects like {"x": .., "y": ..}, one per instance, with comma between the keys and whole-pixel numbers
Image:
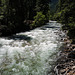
[{"x": 31, "y": 53}]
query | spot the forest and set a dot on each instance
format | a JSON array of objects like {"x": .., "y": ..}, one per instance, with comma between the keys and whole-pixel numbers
[
  {"x": 65, "y": 14},
  {"x": 23, "y": 15},
  {"x": 17, "y": 16}
]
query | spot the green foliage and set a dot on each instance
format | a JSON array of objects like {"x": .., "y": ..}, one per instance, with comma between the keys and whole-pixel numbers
[
  {"x": 39, "y": 19},
  {"x": 1, "y": 17},
  {"x": 66, "y": 15},
  {"x": 13, "y": 13},
  {"x": 57, "y": 16},
  {"x": 72, "y": 25},
  {"x": 65, "y": 12}
]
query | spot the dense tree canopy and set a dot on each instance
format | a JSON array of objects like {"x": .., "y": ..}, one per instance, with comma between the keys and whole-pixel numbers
[
  {"x": 14, "y": 12},
  {"x": 65, "y": 12},
  {"x": 66, "y": 15}
]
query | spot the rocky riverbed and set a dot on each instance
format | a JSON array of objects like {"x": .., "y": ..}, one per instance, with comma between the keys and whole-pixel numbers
[{"x": 66, "y": 61}]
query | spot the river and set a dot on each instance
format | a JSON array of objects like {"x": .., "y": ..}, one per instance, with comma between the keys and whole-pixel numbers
[{"x": 31, "y": 53}]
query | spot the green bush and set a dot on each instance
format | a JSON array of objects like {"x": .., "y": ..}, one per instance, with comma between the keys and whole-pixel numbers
[
  {"x": 39, "y": 19},
  {"x": 72, "y": 25}
]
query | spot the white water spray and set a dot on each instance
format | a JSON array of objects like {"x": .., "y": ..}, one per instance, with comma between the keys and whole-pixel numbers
[{"x": 30, "y": 53}]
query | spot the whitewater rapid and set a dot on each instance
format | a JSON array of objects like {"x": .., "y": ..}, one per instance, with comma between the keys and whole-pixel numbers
[{"x": 31, "y": 53}]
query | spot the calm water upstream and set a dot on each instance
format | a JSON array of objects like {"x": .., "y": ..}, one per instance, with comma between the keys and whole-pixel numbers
[{"x": 31, "y": 53}]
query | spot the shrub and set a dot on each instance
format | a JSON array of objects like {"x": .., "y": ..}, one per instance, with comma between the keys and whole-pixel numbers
[{"x": 39, "y": 19}]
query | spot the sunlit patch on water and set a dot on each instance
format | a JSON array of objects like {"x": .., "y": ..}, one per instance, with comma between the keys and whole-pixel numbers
[{"x": 30, "y": 53}]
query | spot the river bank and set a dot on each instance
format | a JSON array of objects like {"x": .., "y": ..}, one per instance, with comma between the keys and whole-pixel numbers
[
  {"x": 12, "y": 29},
  {"x": 66, "y": 60}
]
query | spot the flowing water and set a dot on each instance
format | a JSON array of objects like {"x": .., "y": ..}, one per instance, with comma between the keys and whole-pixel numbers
[{"x": 31, "y": 53}]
